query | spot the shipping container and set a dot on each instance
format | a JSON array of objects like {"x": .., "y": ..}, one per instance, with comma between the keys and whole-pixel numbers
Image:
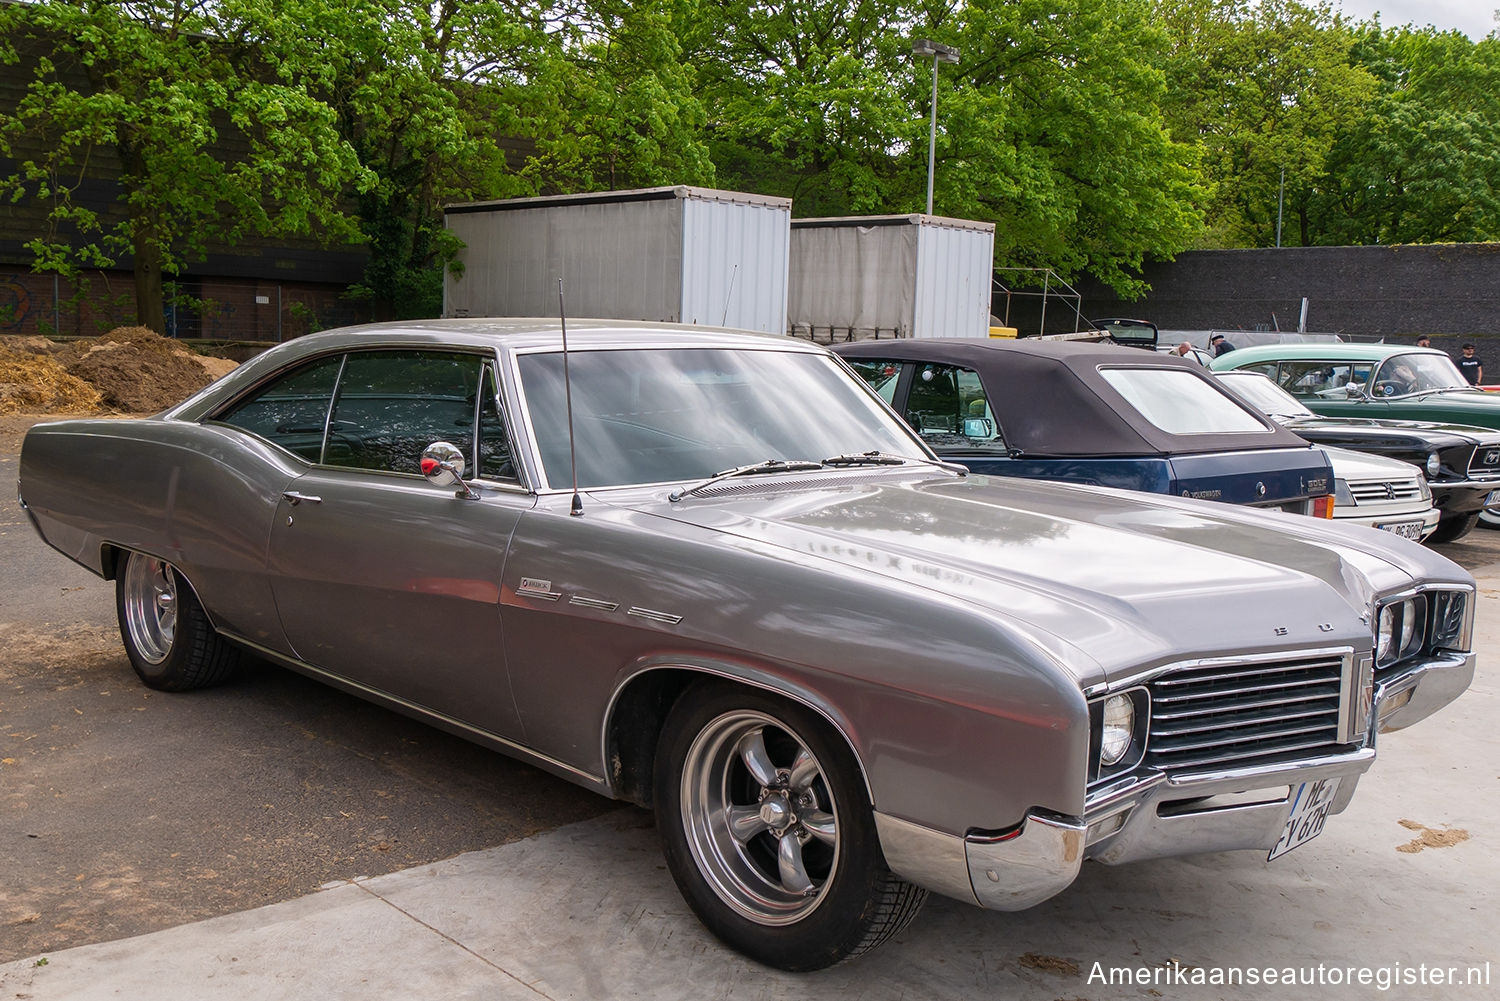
[
  {"x": 676, "y": 254},
  {"x": 890, "y": 276}
]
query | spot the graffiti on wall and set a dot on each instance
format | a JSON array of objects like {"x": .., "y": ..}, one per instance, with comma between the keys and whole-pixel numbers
[{"x": 15, "y": 303}]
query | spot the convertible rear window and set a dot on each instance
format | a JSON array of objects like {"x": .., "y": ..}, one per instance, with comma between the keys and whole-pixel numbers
[
  {"x": 1180, "y": 402},
  {"x": 661, "y": 415}
]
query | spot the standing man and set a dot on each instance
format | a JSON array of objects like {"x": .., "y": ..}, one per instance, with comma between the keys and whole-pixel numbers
[
  {"x": 1470, "y": 366},
  {"x": 1219, "y": 345}
]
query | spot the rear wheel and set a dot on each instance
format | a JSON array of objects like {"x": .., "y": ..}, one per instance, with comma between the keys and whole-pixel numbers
[
  {"x": 1454, "y": 528},
  {"x": 768, "y": 831},
  {"x": 168, "y": 638}
]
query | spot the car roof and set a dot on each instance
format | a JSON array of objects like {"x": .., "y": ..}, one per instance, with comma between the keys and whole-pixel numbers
[
  {"x": 1319, "y": 351},
  {"x": 1051, "y": 399}
]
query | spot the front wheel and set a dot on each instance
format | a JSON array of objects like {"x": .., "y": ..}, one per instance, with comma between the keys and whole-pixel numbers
[
  {"x": 168, "y": 638},
  {"x": 1454, "y": 528},
  {"x": 768, "y": 831}
]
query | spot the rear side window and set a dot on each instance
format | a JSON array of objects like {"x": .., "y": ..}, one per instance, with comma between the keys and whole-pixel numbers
[
  {"x": 292, "y": 409},
  {"x": 1180, "y": 402}
]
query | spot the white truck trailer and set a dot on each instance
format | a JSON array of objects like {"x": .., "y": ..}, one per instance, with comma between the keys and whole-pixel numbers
[
  {"x": 855, "y": 277},
  {"x": 677, "y": 254}
]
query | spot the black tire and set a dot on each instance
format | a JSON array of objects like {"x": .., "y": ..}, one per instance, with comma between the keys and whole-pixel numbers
[
  {"x": 167, "y": 636},
  {"x": 1455, "y": 528},
  {"x": 733, "y": 875}
]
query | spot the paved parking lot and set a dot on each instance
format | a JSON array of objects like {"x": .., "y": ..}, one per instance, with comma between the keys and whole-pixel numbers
[{"x": 127, "y": 817}]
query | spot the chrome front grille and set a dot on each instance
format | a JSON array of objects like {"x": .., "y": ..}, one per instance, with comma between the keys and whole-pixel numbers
[
  {"x": 1485, "y": 465},
  {"x": 1229, "y": 715},
  {"x": 1383, "y": 491}
]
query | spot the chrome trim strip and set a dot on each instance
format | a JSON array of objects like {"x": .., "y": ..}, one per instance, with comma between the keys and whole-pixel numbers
[
  {"x": 600, "y": 603},
  {"x": 1310, "y": 653},
  {"x": 542, "y": 595},
  {"x": 1365, "y": 755},
  {"x": 655, "y": 616}
]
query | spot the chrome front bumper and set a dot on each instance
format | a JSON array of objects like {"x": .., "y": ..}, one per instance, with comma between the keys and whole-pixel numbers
[{"x": 1155, "y": 815}]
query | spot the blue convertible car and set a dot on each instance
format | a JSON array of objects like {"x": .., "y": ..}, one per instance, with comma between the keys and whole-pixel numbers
[{"x": 1093, "y": 413}]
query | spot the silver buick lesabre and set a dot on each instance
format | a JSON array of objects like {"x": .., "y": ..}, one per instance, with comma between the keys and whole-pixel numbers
[{"x": 711, "y": 572}]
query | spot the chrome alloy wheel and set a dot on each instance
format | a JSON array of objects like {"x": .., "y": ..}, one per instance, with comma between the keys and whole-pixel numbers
[
  {"x": 759, "y": 817},
  {"x": 150, "y": 605}
]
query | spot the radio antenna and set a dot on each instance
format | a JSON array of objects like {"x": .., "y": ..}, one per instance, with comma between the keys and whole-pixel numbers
[
  {"x": 728, "y": 294},
  {"x": 562, "y": 315}
]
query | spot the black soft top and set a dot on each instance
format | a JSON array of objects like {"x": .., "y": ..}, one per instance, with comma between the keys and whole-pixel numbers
[{"x": 1050, "y": 399}]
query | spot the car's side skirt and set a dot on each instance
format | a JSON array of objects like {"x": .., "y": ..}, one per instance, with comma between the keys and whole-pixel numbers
[{"x": 456, "y": 727}]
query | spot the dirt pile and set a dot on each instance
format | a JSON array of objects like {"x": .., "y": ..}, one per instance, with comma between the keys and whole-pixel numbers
[
  {"x": 135, "y": 369},
  {"x": 130, "y": 369},
  {"x": 35, "y": 383}
]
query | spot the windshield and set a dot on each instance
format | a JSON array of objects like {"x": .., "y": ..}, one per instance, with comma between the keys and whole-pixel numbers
[
  {"x": 1180, "y": 402},
  {"x": 1402, "y": 375},
  {"x": 668, "y": 414},
  {"x": 1264, "y": 395}
]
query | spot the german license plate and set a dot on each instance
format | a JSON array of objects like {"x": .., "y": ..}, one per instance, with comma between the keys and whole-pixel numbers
[
  {"x": 1405, "y": 529},
  {"x": 1310, "y": 804}
]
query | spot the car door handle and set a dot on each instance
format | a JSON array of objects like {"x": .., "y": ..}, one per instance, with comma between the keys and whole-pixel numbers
[{"x": 294, "y": 498}]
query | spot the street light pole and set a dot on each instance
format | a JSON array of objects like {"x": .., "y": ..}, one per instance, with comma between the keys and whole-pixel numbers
[{"x": 940, "y": 53}]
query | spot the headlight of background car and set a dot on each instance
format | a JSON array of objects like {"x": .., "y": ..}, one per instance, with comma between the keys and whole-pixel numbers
[
  {"x": 1434, "y": 464},
  {"x": 1399, "y": 630},
  {"x": 1341, "y": 494},
  {"x": 1119, "y": 732}
]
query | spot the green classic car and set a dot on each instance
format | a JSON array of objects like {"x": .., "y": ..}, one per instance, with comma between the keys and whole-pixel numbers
[{"x": 1385, "y": 381}]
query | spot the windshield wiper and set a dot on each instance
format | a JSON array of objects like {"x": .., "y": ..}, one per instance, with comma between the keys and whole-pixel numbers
[
  {"x": 765, "y": 466},
  {"x": 877, "y": 458}
]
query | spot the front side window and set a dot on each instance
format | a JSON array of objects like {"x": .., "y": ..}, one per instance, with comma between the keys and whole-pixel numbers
[
  {"x": 291, "y": 410},
  {"x": 1401, "y": 375},
  {"x": 1180, "y": 402},
  {"x": 392, "y": 404},
  {"x": 1322, "y": 379},
  {"x": 661, "y": 415},
  {"x": 948, "y": 407}
]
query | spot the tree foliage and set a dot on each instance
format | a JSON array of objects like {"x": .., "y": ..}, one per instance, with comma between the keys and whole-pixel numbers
[
  {"x": 1093, "y": 133},
  {"x": 204, "y": 148}
]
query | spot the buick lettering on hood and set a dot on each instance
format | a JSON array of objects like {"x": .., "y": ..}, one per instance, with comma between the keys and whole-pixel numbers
[{"x": 711, "y": 572}]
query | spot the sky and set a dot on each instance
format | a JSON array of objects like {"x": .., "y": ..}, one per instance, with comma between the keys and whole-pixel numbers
[{"x": 1474, "y": 18}]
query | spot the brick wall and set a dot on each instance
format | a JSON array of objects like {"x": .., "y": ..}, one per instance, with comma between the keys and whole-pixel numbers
[
  {"x": 1449, "y": 291},
  {"x": 217, "y": 308}
]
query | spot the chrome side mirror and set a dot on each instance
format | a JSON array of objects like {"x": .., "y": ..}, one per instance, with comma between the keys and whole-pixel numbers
[{"x": 443, "y": 465}]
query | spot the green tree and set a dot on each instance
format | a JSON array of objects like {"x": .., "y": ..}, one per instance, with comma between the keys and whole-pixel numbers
[
  {"x": 1048, "y": 126},
  {"x": 1264, "y": 88},
  {"x": 173, "y": 101},
  {"x": 612, "y": 101},
  {"x": 1422, "y": 164}
]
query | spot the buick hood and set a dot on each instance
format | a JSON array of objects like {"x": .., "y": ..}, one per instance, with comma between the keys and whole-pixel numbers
[{"x": 1107, "y": 581}]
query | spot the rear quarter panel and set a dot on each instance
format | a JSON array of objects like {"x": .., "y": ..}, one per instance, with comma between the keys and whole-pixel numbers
[{"x": 199, "y": 497}]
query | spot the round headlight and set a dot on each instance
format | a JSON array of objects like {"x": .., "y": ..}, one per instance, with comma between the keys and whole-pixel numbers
[
  {"x": 1119, "y": 729},
  {"x": 1408, "y": 625},
  {"x": 1434, "y": 464},
  {"x": 1385, "y": 633}
]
